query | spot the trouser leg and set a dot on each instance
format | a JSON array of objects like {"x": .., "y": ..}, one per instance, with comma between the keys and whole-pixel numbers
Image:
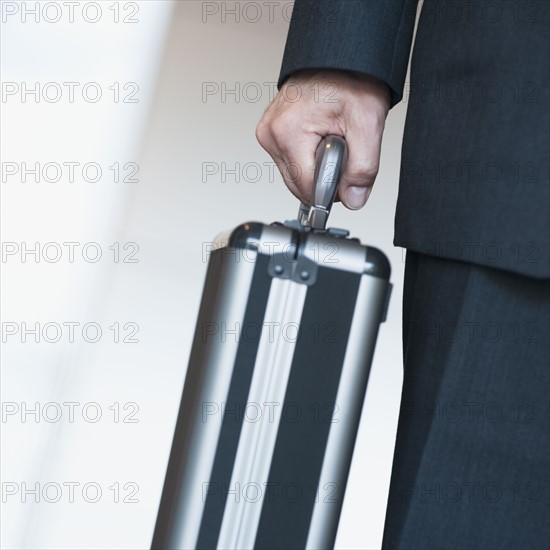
[{"x": 471, "y": 463}]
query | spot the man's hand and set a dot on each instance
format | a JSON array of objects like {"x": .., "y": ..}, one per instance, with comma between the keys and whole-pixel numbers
[{"x": 311, "y": 105}]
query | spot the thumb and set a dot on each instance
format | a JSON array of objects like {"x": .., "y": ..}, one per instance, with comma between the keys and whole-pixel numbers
[{"x": 361, "y": 168}]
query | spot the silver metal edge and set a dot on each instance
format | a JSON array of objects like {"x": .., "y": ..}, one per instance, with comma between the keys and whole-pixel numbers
[
  {"x": 276, "y": 239},
  {"x": 324, "y": 250},
  {"x": 257, "y": 439},
  {"x": 216, "y": 373},
  {"x": 335, "y": 253},
  {"x": 273, "y": 240}
]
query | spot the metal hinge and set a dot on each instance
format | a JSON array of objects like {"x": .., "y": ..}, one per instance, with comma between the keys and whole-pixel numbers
[{"x": 301, "y": 270}]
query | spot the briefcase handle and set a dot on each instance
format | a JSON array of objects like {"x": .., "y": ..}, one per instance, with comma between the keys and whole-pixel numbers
[{"x": 329, "y": 162}]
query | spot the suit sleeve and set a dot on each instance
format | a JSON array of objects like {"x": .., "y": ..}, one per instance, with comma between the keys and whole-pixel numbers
[{"x": 367, "y": 36}]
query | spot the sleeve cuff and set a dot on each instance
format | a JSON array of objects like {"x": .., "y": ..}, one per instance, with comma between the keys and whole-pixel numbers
[{"x": 366, "y": 36}]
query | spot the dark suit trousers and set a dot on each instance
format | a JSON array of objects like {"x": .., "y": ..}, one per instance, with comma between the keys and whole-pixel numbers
[{"x": 471, "y": 463}]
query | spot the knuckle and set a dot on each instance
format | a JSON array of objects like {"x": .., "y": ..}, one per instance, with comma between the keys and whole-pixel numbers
[
  {"x": 292, "y": 172},
  {"x": 280, "y": 128},
  {"x": 363, "y": 169},
  {"x": 262, "y": 133}
]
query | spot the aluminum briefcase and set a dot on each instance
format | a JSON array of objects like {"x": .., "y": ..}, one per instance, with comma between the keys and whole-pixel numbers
[{"x": 276, "y": 381}]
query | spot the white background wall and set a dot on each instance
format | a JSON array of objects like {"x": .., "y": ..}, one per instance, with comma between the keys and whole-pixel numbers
[{"x": 168, "y": 55}]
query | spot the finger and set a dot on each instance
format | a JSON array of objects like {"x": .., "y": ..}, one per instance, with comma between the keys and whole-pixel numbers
[
  {"x": 289, "y": 174},
  {"x": 298, "y": 153},
  {"x": 266, "y": 139},
  {"x": 293, "y": 150}
]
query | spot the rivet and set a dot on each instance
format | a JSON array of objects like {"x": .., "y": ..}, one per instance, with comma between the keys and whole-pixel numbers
[
  {"x": 279, "y": 269},
  {"x": 304, "y": 275}
]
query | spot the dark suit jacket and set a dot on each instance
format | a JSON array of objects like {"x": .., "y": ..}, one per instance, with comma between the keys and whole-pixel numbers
[{"x": 474, "y": 179}]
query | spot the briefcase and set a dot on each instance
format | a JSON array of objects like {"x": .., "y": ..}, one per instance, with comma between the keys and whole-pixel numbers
[{"x": 276, "y": 382}]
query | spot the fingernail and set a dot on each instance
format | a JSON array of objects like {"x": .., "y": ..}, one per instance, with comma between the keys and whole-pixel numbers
[{"x": 356, "y": 197}]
